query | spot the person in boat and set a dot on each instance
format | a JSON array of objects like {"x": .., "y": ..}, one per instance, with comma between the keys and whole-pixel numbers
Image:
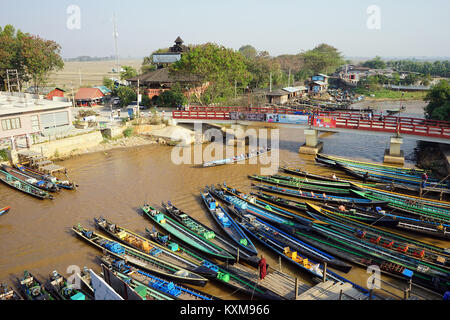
[
  {"x": 262, "y": 268},
  {"x": 446, "y": 296},
  {"x": 366, "y": 177},
  {"x": 334, "y": 176},
  {"x": 342, "y": 208}
]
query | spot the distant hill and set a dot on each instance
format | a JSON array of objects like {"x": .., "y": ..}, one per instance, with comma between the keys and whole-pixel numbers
[{"x": 88, "y": 58}]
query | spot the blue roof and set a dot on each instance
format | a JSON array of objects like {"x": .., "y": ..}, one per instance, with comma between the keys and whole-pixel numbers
[{"x": 103, "y": 89}]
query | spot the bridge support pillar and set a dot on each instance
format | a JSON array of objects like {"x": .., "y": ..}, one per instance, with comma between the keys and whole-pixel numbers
[
  {"x": 395, "y": 154},
  {"x": 312, "y": 145}
]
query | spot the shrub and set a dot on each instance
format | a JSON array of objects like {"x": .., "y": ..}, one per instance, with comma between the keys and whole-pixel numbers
[{"x": 128, "y": 132}]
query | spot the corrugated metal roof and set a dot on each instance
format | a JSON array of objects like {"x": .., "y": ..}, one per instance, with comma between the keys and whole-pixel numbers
[
  {"x": 320, "y": 83},
  {"x": 166, "y": 58},
  {"x": 295, "y": 89}
]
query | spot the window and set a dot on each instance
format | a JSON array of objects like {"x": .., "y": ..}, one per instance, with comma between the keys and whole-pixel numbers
[
  {"x": 11, "y": 124},
  {"x": 35, "y": 123}
]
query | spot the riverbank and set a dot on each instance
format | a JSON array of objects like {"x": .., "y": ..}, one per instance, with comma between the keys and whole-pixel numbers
[{"x": 391, "y": 95}]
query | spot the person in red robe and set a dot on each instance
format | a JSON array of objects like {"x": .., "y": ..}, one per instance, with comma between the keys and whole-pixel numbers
[{"x": 262, "y": 268}]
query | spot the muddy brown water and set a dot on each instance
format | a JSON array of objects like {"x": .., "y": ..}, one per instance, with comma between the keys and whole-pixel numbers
[{"x": 36, "y": 235}]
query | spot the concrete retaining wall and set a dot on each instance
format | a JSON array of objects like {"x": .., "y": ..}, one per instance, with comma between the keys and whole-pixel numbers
[{"x": 67, "y": 146}]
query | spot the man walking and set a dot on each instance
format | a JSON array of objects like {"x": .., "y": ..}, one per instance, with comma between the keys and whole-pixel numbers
[{"x": 262, "y": 268}]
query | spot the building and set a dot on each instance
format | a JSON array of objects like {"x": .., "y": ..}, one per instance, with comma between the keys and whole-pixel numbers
[
  {"x": 156, "y": 82},
  {"x": 106, "y": 91},
  {"x": 318, "y": 84},
  {"x": 48, "y": 92},
  {"x": 23, "y": 115},
  {"x": 294, "y": 92},
  {"x": 173, "y": 55},
  {"x": 89, "y": 97},
  {"x": 277, "y": 96}
]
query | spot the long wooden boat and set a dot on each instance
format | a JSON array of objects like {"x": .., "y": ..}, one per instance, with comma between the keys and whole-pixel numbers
[
  {"x": 62, "y": 290},
  {"x": 23, "y": 186},
  {"x": 4, "y": 211},
  {"x": 38, "y": 183},
  {"x": 362, "y": 214},
  {"x": 32, "y": 288},
  {"x": 225, "y": 275},
  {"x": 375, "y": 165},
  {"x": 376, "y": 176},
  {"x": 277, "y": 237},
  {"x": 302, "y": 185},
  {"x": 208, "y": 234},
  {"x": 141, "y": 289},
  {"x": 8, "y": 293},
  {"x": 187, "y": 236},
  {"x": 377, "y": 184},
  {"x": 358, "y": 199},
  {"x": 140, "y": 259},
  {"x": 64, "y": 184},
  {"x": 417, "y": 208},
  {"x": 153, "y": 282},
  {"x": 306, "y": 174},
  {"x": 380, "y": 237},
  {"x": 85, "y": 282},
  {"x": 406, "y": 197},
  {"x": 325, "y": 183},
  {"x": 227, "y": 224},
  {"x": 280, "y": 217},
  {"x": 150, "y": 247},
  {"x": 299, "y": 260},
  {"x": 422, "y": 273},
  {"x": 239, "y": 158}
]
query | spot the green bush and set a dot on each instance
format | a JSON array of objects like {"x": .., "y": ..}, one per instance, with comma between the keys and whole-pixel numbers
[
  {"x": 128, "y": 132},
  {"x": 4, "y": 155}
]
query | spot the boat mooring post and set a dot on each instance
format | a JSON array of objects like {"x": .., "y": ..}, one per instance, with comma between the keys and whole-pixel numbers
[
  {"x": 407, "y": 293},
  {"x": 237, "y": 258},
  {"x": 324, "y": 272},
  {"x": 279, "y": 262},
  {"x": 296, "y": 288}
]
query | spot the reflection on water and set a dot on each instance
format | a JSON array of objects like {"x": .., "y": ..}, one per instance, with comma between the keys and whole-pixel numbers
[{"x": 36, "y": 234}]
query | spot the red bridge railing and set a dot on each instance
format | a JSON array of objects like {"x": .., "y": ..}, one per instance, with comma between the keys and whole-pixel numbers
[{"x": 344, "y": 120}]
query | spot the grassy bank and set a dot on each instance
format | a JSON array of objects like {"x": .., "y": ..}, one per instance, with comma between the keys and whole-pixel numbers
[{"x": 384, "y": 94}]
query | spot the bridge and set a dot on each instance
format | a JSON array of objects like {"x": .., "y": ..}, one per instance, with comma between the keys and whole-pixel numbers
[{"x": 331, "y": 121}]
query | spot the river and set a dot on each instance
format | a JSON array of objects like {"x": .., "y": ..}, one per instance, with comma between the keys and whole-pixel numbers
[{"x": 36, "y": 235}]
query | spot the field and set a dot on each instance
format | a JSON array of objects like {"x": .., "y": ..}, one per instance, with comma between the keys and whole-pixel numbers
[{"x": 92, "y": 73}]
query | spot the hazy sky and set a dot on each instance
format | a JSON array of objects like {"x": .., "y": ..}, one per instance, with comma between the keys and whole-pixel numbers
[{"x": 407, "y": 27}]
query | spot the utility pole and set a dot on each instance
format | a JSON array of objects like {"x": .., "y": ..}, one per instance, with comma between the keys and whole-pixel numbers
[
  {"x": 271, "y": 82},
  {"x": 289, "y": 79},
  {"x": 138, "y": 97},
  {"x": 116, "y": 44}
]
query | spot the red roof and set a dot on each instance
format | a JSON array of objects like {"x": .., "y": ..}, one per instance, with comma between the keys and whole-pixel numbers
[{"x": 88, "y": 94}]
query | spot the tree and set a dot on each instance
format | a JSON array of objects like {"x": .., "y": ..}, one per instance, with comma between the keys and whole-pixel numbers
[
  {"x": 322, "y": 59},
  {"x": 248, "y": 51},
  {"x": 215, "y": 64},
  {"x": 110, "y": 84},
  {"x": 376, "y": 63},
  {"x": 170, "y": 99},
  {"x": 129, "y": 72},
  {"x": 33, "y": 57},
  {"x": 438, "y": 99},
  {"x": 126, "y": 95},
  {"x": 40, "y": 58},
  {"x": 260, "y": 68}
]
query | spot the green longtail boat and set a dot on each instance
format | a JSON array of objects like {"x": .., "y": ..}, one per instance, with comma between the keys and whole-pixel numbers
[
  {"x": 146, "y": 261},
  {"x": 302, "y": 185},
  {"x": 417, "y": 208},
  {"x": 187, "y": 236}
]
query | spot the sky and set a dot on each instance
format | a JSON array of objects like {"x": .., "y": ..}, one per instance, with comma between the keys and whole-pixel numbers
[{"x": 400, "y": 28}]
